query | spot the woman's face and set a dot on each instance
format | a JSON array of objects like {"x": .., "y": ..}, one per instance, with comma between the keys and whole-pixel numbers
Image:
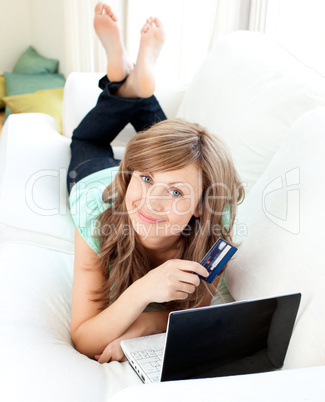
[{"x": 161, "y": 204}]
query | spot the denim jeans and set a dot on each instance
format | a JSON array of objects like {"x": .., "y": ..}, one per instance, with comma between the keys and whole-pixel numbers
[{"x": 91, "y": 149}]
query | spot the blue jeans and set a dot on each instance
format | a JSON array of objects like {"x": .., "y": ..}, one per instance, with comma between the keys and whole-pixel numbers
[{"x": 91, "y": 149}]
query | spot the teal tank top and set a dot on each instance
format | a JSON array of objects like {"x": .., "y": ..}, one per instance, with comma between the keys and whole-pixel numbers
[{"x": 86, "y": 203}]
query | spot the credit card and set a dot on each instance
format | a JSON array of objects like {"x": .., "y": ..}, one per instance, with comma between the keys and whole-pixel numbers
[{"x": 216, "y": 258}]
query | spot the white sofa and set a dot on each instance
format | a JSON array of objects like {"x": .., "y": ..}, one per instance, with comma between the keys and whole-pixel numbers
[{"x": 270, "y": 109}]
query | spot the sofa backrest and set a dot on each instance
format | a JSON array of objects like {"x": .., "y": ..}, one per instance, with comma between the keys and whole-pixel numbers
[
  {"x": 269, "y": 108},
  {"x": 249, "y": 91},
  {"x": 80, "y": 96},
  {"x": 280, "y": 230}
]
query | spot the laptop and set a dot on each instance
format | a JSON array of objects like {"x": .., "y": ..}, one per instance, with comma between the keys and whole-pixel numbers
[{"x": 220, "y": 340}]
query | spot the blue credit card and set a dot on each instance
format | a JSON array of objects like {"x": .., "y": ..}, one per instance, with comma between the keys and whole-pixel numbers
[{"x": 216, "y": 258}]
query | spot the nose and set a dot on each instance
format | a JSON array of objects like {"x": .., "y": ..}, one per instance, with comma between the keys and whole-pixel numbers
[{"x": 158, "y": 199}]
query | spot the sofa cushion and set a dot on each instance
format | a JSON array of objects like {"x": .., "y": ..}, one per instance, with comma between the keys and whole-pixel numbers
[
  {"x": 38, "y": 361},
  {"x": 18, "y": 84},
  {"x": 31, "y": 62},
  {"x": 2, "y": 91},
  {"x": 250, "y": 91},
  {"x": 34, "y": 203},
  {"x": 290, "y": 385},
  {"x": 280, "y": 227},
  {"x": 33, "y": 198},
  {"x": 47, "y": 101}
]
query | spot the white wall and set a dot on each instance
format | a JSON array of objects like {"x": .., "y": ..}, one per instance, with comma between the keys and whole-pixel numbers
[
  {"x": 39, "y": 23},
  {"x": 47, "y": 29},
  {"x": 298, "y": 25},
  {"x": 15, "y": 31}
]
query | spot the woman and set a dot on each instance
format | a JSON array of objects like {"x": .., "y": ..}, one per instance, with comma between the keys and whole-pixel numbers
[{"x": 138, "y": 243}]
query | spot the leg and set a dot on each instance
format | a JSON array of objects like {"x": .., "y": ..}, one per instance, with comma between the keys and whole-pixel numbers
[
  {"x": 87, "y": 158},
  {"x": 141, "y": 81},
  {"x": 111, "y": 114},
  {"x": 90, "y": 146},
  {"x": 108, "y": 32},
  {"x": 129, "y": 100}
]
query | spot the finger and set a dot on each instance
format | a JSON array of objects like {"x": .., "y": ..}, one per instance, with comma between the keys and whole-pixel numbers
[
  {"x": 186, "y": 288},
  {"x": 120, "y": 357},
  {"x": 191, "y": 266},
  {"x": 105, "y": 357},
  {"x": 179, "y": 295},
  {"x": 189, "y": 278}
]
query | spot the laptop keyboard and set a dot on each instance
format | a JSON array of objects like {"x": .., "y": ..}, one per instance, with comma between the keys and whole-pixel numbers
[{"x": 150, "y": 361}]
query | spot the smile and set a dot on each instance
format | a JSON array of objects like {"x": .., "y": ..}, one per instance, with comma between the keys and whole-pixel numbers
[{"x": 147, "y": 218}]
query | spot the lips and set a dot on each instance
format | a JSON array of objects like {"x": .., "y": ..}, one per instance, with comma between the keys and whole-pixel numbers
[{"x": 147, "y": 218}]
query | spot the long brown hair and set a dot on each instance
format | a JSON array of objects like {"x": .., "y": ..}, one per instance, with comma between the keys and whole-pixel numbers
[{"x": 166, "y": 146}]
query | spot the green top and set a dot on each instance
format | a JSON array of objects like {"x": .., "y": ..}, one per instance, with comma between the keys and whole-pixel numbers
[{"x": 86, "y": 205}]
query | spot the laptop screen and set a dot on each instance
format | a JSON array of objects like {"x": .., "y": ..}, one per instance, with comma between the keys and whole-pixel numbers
[{"x": 236, "y": 338}]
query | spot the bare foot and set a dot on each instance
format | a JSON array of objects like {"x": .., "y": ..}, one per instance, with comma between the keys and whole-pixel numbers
[
  {"x": 108, "y": 31},
  {"x": 141, "y": 81}
]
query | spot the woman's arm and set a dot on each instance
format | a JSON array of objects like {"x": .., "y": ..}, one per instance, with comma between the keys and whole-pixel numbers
[
  {"x": 145, "y": 324},
  {"x": 91, "y": 330}
]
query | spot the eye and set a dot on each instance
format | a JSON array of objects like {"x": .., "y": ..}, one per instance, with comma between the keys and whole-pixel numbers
[
  {"x": 176, "y": 193},
  {"x": 146, "y": 179}
]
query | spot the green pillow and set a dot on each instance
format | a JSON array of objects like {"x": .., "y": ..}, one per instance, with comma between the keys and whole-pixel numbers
[
  {"x": 47, "y": 101},
  {"x": 19, "y": 84},
  {"x": 31, "y": 62},
  {"x": 2, "y": 91}
]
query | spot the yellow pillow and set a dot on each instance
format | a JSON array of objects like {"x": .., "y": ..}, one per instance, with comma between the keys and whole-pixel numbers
[
  {"x": 47, "y": 101},
  {"x": 2, "y": 91}
]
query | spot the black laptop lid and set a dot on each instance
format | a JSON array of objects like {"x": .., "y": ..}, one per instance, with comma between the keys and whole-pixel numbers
[{"x": 230, "y": 339}]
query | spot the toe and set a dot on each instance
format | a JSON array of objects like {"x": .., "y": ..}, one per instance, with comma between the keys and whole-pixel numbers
[
  {"x": 99, "y": 8},
  {"x": 150, "y": 21},
  {"x": 158, "y": 22},
  {"x": 109, "y": 12},
  {"x": 107, "y": 9}
]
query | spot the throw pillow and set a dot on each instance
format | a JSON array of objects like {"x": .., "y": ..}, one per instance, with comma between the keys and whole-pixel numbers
[
  {"x": 19, "y": 84},
  {"x": 32, "y": 62},
  {"x": 280, "y": 227},
  {"x": 2, "y": 91},
  {"x": 47, "y": 101}
]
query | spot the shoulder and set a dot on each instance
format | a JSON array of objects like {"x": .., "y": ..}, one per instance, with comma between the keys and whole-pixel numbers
[{"x": 86, "y": 203}]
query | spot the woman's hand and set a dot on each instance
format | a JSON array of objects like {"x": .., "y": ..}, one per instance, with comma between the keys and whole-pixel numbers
[
  {"x": 173, "y": 280},
  {"x": 112, "y": 352},
  {"x": 145, "y": 324}
]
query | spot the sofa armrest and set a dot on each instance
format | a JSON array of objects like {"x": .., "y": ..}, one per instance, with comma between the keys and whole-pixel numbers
[
  {"x": 33, "y": 196},
  {"x": 284, "y": 385},
  {"x": 80, "y": 95}
]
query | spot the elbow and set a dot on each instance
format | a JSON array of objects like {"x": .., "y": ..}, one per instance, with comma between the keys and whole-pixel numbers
[{"x": 83, "y": 344}]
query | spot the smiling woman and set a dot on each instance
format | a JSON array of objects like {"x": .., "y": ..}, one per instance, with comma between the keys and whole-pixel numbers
[
  {"x": 168, "y": 207},
  {"x": 137, "y": 252}
]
